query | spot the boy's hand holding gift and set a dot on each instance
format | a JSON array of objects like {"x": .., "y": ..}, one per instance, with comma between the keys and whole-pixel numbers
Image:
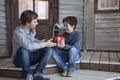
[
  {"x": 49, "y": 43},
  {"x": 59, "y": 39}
]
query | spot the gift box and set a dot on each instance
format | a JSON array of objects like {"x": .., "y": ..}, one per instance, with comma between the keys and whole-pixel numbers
[{"x": 58, "y": 38}]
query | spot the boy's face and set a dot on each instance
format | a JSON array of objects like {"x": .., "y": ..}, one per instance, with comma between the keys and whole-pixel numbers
[
  {"x": 32, "y": 24},
  {"x": 68, "y": 28}
]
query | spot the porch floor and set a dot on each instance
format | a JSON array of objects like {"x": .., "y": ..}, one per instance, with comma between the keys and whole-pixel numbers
[{"x": 79, "y": 75}]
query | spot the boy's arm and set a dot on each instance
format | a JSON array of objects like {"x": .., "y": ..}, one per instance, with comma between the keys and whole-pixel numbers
[
  {"x": 24, "y": 42},
  {"x": 76, "y": 43}
]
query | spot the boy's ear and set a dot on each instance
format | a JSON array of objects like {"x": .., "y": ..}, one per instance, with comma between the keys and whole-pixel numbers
[
  {"x": 27, "y": 23},
  {"x": 73, "y": 26}
]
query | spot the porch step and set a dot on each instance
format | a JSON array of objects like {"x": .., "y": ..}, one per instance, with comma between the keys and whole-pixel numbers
[
  {"x": 101, "y": 61},
  {"x": 92, "y": 60},
  {"x": 8, "y": 69}
]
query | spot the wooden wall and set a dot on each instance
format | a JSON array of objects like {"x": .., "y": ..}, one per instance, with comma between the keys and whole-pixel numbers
[
  {"x": 3, "y": 30},
  {"x": 107, "y": 31},
  {"x": 103, "y": 30}
]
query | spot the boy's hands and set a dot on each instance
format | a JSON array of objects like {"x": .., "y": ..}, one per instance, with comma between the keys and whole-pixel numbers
[
  {"x": 49, "y": 43},
  {"x": 61, "y": 45}
]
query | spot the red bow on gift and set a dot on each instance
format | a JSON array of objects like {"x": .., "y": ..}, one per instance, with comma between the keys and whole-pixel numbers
[{"x": 58, "y": 38}]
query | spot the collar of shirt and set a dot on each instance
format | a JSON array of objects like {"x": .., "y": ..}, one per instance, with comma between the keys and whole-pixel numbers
[{"x": 26, "y": 30}]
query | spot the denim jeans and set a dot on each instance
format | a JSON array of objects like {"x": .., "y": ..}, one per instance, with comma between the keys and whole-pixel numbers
[
  {"x": 70, "y": 56},
  {"x": 25, "y": 58}
]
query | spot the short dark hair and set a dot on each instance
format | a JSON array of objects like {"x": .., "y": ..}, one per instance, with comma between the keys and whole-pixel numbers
[
  {"x": 28, "y": 16},
  {"x": 72, "y": 20}
]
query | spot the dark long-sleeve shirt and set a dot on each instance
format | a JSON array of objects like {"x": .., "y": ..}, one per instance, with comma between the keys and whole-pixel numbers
[{"x": 72, "y": 40}]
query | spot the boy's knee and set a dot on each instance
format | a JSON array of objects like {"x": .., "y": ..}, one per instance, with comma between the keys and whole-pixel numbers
[
  {"x": 22, "y": 49},
  {"x": 73, "y": 49},
  {"x": 49, "y": 51},
  {"x": 23, "y": 52}
]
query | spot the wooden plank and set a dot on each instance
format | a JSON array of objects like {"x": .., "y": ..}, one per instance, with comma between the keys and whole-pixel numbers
[
  {"x": 118, "y": 54},
  {"x": 85, "y": 62},
  {"x": 104, "y": 62},
  {"x": 107, "y": 15},
  {"x": 94, "y": 63},
  {"x": 2, "y": 2},
  {"x": 64, "y": 6},
  {"x": 115, "y": 25},
  {"x": 105, "y": 47},
  {"x": 108, "y": 19},
  {"x": 108, "y": 30},
  {"x": 90, "y": 24},
  {"x": 114, "y": 58},
  {"x": 114, "y": 62},
  {"x": 2, "y": 13},
  {"x": 82, "y": 56},
  {"x": 106, "y": 22},
  {"x": 76, "y": 2},
  {"x": 102, "y": 38}
]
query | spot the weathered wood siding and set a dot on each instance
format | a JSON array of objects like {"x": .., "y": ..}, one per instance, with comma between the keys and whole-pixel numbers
[
  {"x": 107, "y": 31},
  {"x": 72, "y": 8},
  {"x": 3, "y": 30},
  {"x": 89, "y": 25},
  {"x": 103, "y": 30}
]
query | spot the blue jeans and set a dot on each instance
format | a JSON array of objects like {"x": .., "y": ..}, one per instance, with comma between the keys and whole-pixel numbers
[
  {"x": 70, "y": 56},
  {"x": 25, "y": 58}
]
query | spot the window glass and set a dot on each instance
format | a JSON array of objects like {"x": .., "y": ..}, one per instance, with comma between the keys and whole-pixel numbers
[
  {"x": 25, "y": 5},
  {"x": 41, "y": 8},
  {"x": 108, "y": 4}
]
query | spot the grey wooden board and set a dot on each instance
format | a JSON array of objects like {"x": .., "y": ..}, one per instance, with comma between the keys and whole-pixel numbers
[
  {"x": 94, "y": 63},
  {"x": 104, "y": 61},
  {"x": 118, "y": 54},
  {"x": 114, "y": 58},
  {"x": 87, "y": 57},
  {"x": 114, "y": 62},
  {"x": 96, "y": 57},
  {"x": 85, "y": 62}
]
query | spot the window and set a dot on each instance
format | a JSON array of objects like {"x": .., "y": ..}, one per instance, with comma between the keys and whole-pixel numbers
[
  {"x": 41, "y": 7},
  {"x": 107, "y": 6},
  {"x": 24, "y": 5}
]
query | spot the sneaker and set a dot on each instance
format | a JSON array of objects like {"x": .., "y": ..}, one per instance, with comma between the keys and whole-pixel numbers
[
  {"x": 70, "y": 73},
  {"x": 64, "y": 73},
  {"x": 39, "y": 76},
  {"x": 46, "y": 79},
  {"x": 29, "y": 77}
]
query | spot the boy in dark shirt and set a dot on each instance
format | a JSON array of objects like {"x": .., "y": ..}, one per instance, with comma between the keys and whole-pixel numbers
[{"x": 69, "y": 50}]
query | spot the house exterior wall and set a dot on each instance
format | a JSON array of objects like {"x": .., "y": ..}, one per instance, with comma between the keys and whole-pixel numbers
[
  {"x": 103, "y": 29},
  {"x": 107, "y": 31},
  {"x": 3, "y": 30}
]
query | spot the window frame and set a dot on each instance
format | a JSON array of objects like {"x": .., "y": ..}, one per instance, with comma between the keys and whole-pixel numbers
[{"x": 96, "y": 11}]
